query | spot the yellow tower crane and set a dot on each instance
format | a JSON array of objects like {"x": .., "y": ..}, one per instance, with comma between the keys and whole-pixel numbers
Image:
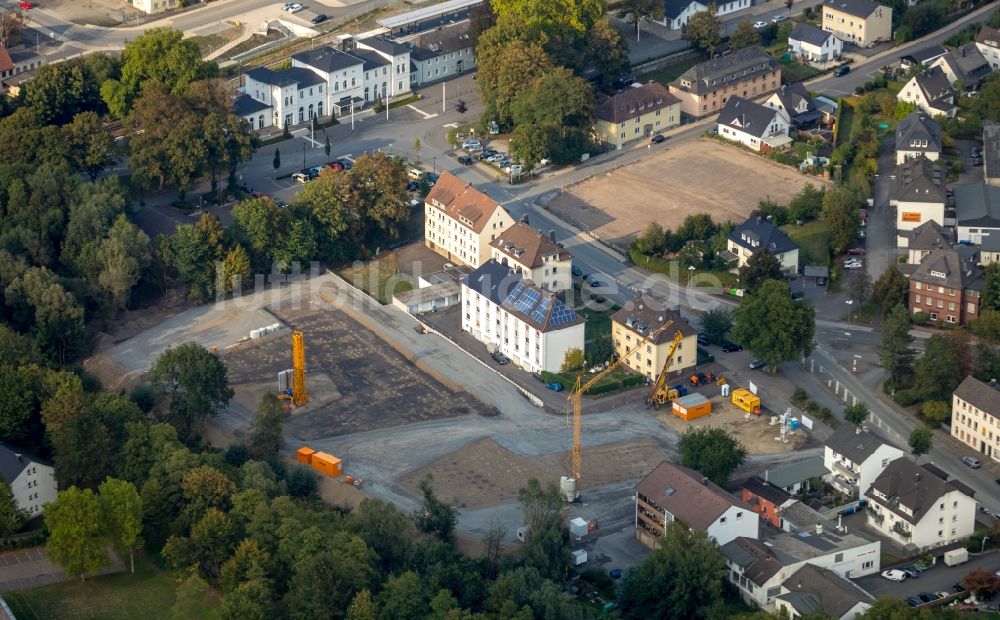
[
  {"x": 299, "y": 394},
  {"x": 580, "y": 388},
  {"x": 661, "y": 392}
]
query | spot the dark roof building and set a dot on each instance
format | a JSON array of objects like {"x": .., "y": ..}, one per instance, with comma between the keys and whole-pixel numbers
[
  {"x": 245, "y": 105},
  {"x": 712, "y": 74},
  {"x": 950, "y": 267},
  {"x": 919, "y": 180},
  {"x": 327, "y": 59},
  {"x": 946, "y": 285},
  {"x": 809, "y": 33},
  {"x": 928, "y": 236},
  {"x": 977, "y": 205},
  {"x": 991, "y": 152},
  {"x": 757, "y": 233},
  {"x": 534, "y": 306},
  {"x": 918, "y": 134},
  {"x": 747, "y": 116},
  {"x": 643, "y": 316},
  {"x": 936, "y": 89},
  {"x": 443, "y": 40},
  {"x": 754, "y": 559},
  {"x": 965, "y": 63},
  {"x": 857, "y": 8},
  {"x": 814, "y": 590},
  {"x": 856, "y": 447},
  {"x": 686, "y": 494},
  {"x": 909, "y": 491},
  {"x": 285, "y": 77},
  {"x": 923, "y": 56},
  {"x": 796, "y": 102},
  {"x": 634, "y": 102}
]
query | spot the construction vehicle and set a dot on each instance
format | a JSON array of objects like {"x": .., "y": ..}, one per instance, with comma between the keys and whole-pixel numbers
[
  {"x": 297, "y": 393},
  {"x": 747, "y": 401},
  {"x": 580, "y": 388},
  {"x": 661, "y": 393}
]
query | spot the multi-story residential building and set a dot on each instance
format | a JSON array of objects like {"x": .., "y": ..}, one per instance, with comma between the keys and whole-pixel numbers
[
  {"x": 809, "y": 43},
  {"x": 931, "y": 92},
  {"x": 988, "y": 42},
  {"x": 706, "y": 87},
  {"x": 31, "y": 480},
  {"x": 460, "y": 221},
  {"x": 766, "y": 499},
  {"x": 757, "y": 126},
  {"x": 861, "y": 22},
  {"x": 813, "y": 589},
  {"x": 759, "y": 567},
  {"x": 917, "y": 135},
  {"x": 796, "y": 105},
  {"x": 535, "y": 256},
  {"x": 975, "y": 416},
  {"x": 441, "y": 54},
  {"x": 917, "y": 509},
  {"x": 918, "y": 196},
  {"x": 964, "y": 64},
  {"x": 636, "y": 333},
  {"x": 855, "y": 457},
  {"x": 636, "y": 113},
  {"x": 673, "y": 492},
  {"x": 947, "y": 285},
  {"x": 149, "y": 7},
  {"x": 991, "y": 153},
  {"x": 921, "y": 240},
  {"x": 677, "y": 13},
  {"x": 293, "y": 95},
  {"x": 343, "y": 74},
  {"x": 977, "y": 212},
  {"x": 794, "y": 478},
  {"x": 509, "y": 314},
  {"x": 758, "y": 234}
]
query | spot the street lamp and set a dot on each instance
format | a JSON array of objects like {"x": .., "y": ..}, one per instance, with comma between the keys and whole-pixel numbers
[
  {"x": 983, "y": 548},
  {"x": 435, "y": 165},
  {"x": 850, "y": 304}
]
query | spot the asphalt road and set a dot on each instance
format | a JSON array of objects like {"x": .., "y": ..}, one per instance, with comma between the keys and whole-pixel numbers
[{"x": 938, "y": 578}]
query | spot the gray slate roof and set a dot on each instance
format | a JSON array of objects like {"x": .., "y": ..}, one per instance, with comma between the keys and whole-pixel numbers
[
  {"x": 919, "y": 180},
  {"x": 917, "y": 126},
  {"x": 858, "y": 8},
  {"x": 742, "y": 64},
  {"x": 756, "y": 561},
  {"x": 978, "y": 205},
  {"x": 958, "y": 266},
  {"x": 11, "y": 465},
  {"x": 813, "y": 589},
  {"x": 934, "y": 84},
  {"x": 914, "y": 487},
  {"x": 790, "y": 96},
  {"x": 286, "y": 77},
  {"x": 245, "y": 105},
  {"x": 925, "y": 55},
  {"x": 536, "y": 307},
  {"x": 991, "y": 150},
  {"x": 929, "y": 236},
  {"x": 673, "y": 8},
  {"x": 327, "y": 59},
  {"x": 633, "y": 102},
  {"x": 809, "y": 33},
  {"x": 371, "y": 60},
  {"x": 747, "y": 116},
  {"x": 385, "y": 46},
  {"x": 682, "y": 492},
  {"x": 967, "y": 61},
  {"x": 767, "y": 491},
  {"x": 856, "y": 447},
  {"x": 983, "y": 396},
  {"x": 764, "y": 236},
  {"x": 443, "y": 40},
  {"x": 800, "y": 471}
]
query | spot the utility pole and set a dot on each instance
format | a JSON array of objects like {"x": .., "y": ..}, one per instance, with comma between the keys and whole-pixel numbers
[
  {"x": 303, "y": 156},
  {"x": 442, "y": 97}
]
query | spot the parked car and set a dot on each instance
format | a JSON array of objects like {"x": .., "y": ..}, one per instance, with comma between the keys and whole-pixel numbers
[
  {"x": 914, "y": 601},
  {"x": 335, "y": 165},
  {"x": 318, "y": 19},
  {"x": 346, "y": 163},
  {"x": 300, "y": 177},
  {"x": 703, "y": 340},
  {"x": 777, "y": 19},
  {"x": 853, "y": 265},
  {"x": 658, "y": 138},
  {"x": 755, "y": 364},
  {"x": 974, "y": 151},
  {"x": 972, "y": 462},
  {"x": 473, "y": 149},
  {"x": 958, "y": 587},
  {"x": 555, "y": 386},
  {"x": 499, "y": 358},
  {"x": 758, "y": 25},
  {"x": 856, "y": 251},
  {"x": 861, "y": 233},
  {"x": 977, "y": 161},
  {"x": 894, "y": 574},
  {"x": 616, "y": 573},
  {"x": 577, "y": 272},
  {"x": 465, "y": 160},
  {"x": 471, "y": 143},
  {"x": 294, "y": 7},
  {"x": 842, "y": 70},
  {"x": 595, "y": 283},
  {"x": 927, "y": 597},
  {"x": 912, "y": 573},
  {"x": 27, "y": 6},
  {"x": 731, "y": 347},
  {"x": 942, "y": 594},
  {"x": 820, "y": 281}
]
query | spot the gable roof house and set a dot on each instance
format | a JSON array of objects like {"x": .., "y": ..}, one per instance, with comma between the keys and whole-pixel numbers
[
  {"x": 636, "y": 113},
  {"x": 706, "y": 87},
  {"x": 757, "y": 126},
  {"x": 757, "y": 234},
  {"x": 855, "y": 457},
  {"x": 917, "y": 509},
  {"x": 918, "y": 135},
  {"x": 813, "y": 590},
  {"x": 930, "y": 91},
  {"x": 535, "y": 256},
  {"x": 677, "y": 13},
  {"x": 921, "y": 240},
  {"x": 795, "y": 104},
  {"x": 861, "y": 22},
  {"x": 964, "y": 64},
  {"x": 946, "y": 285},
  {"x": 635, "y": 329},
  {"x": 31, "y": 480},
  {"x": 812, "y": 44},
  {"x": 923, "y": 56},
  {"x": 793, "y": 478},
  {"x": 977, "y": 212},
  {"x": 460, "y": 221},
  {"x": 919, "y": 196},
  {"x": 673, "y": 492},
  {"x": 293, "y": 95},
  {"x": 975, "y": 413},
  {"x": 988, "y": 43},
  {"x": 765, "y": 499},
  {"x": 991, "y": 153}
]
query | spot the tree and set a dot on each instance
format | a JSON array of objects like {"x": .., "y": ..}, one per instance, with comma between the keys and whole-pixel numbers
[
  {"x": 58, "y": 318},
  {"x": 363, "y": 606},
  {"x": 76, "y": 541},
  {"x": 861, "y": 287},
  {"x": 251, "y": 600},
  {"x": 652, "y": 241},
  {"x": 856, "y": 414},
  {"x": 325, "y": 583},
  {"x": 940, "y": 369},
  {"x": 600, "y": 349},
  {"x": 606, "y": 51},
  {"x": 123, "y": 256},
  {"x": 266, "y": 439},
  {"x": 261, "y": 225},
  {"x": 416, "y": 147},
  {"x": 503, "y": 70},
  {"x": 704, "y": 29},
  {"x": 276, "y": 162},
  {"x": 935, "y": 412},
  {"x": 712, "y": 451},
  {"x": 896, "y": 353},
  {"x": 66, "y": 401},
  {"x": 991, "y": 288},
  {"x": 637, "y": 11},
  {"x": 682, "y": 578},
  {"x": 715, "y": 325},
  {"x": 745, "y": 35},
  {"x": 772, "y": 326},
  {"x": 11, "y": 516},
  {"x": 190, "y": 600},
  {"x": 87, "y": 445},
  {"x": 840, "y": 210},
  {"x": 760, "y": 267},
  {"x": 62, "y": 91},
  {"x": 573, "y": 361},
  {"x": 982, "y": 583},
  {"x": 807, "y": 204},
  {"x": 890, "y": 290},
  {"x": 920, "y": 441},
  {"x": 547, "y": 543},
  {"x": 404, "y": 598},
  {"x": 195, "y": 380},
  {"x": 235, "y": 271},
  {"x": 435, "y": 516},
  {"x": 121, "y": 510},
  {"x": 90, "y": 147},
  {"x": 12, "y": 22}
]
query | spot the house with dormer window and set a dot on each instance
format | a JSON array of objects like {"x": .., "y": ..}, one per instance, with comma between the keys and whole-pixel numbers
[
  {"x": 931, "y": 92},
  {"x": 946, "y": 285},
  {"x": 855, "y": 457},
  {"x": 760, "y": 127},
  {"x": 636, "y": 113},
  {"x": 537, "y": 257},
  {"x": 706, "y": 87},
  {"x": 461, "y": 221},
  {"x": 988, "y": 43},
  {"x": 758, "y": 234},
  {"x": 917, "y": 135},
  {"x": 919, "y": 196}
]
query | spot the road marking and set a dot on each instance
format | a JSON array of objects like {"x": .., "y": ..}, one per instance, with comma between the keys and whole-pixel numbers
[
  {"x": 426, "y": 115},
  {"x": 450, "y": 125}
]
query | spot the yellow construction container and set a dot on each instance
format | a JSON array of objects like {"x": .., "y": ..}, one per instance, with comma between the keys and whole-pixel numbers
[
  {"x": 692, "y": 406},
  {"x": 326, "y": 464},
  {"x": 304, "y": 455},
  {"x": 747, "y": 401}
]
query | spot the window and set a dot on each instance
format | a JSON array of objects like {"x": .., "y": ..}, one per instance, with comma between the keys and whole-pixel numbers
[
  {"x": 839, "y": 557},
  {"x": 739, "y": 515},
  {"x": 722, "y": 520}
]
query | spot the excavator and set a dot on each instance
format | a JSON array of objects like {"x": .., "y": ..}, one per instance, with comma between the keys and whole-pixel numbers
[
  {"x": 662, "y": 393},
  {"x": 579, "y": 389}
]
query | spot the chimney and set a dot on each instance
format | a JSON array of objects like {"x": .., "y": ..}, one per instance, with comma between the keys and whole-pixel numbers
[
  {"x": 759, "y": 219},
  {"x": 917, "y": 476},
  {"x": 18, "y": 455},
  {"x": 819, "y": 529},
  {"x": 552, "y": 236}
]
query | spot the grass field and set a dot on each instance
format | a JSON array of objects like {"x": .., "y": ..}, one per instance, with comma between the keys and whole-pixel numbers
[
  {"x": 149, "y": 593},
  {"x": 814, "y": 241},
  {"x": 792, "y": 71},
  {"x": 668, "y": 74},
  {"x": 380, "y": 277}
]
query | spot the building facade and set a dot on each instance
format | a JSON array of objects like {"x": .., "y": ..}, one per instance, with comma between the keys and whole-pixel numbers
[
  {"x": 706, "y": 87},
  {"x": 931, "y": 92},
  {"x": 635, "y": 114},
  {"x": 977, "y": 212},
  {"x": 757, "y": 235},
  {"x": 510, "y": 315},
  {"x": 677, "y": 13},
  {"x": 441, "y": 54},
  {"x": 917, "y": 135},
  {"x": 759, "y": 127},
  {"x": 460, "y": 222},
  {"x": 636, "y": 333},
  {"x": 150, "y": 7},
  {"x": 975, "y": 416},
  {"x": 947, "y": 285},
  {"x": 861, "y": 22},
  {"x": 988, "y": 42},
  {"x": 811, "y": 44},
  {"x": 32, "y": 481},
  {"x": 855, "y": 457},
  {"x": 919, "y": 196},
  {"x": 534, "y": 256},
  {"x": 292, "y": 96}
]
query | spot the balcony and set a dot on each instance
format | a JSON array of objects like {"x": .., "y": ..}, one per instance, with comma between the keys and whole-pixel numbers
[
  {"x": 845, "y": 469},
  {"x": 845, "y": 485},
  {"x": 898, "y": 530},
  {"x": 875, "y": 517}
]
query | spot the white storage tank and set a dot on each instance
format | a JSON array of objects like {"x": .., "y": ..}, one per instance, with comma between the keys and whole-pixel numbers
[
  {"x": 568, "y": 487},
  {"x": 725, "y": 390}
]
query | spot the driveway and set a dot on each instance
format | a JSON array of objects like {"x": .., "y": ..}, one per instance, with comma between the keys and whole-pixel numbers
[
  {"x": 28, "y": 568},
  {"x": 938, "y": 578}
]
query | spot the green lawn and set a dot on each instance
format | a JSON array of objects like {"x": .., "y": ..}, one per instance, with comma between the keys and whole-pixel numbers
[
  {"x": 814, "y": 241},
  {"x": 380, "y": 278},
  {"x": 846, "y": 122},
  {"x": 792, "y": 71},
  {"x": 149, "y": 593},
  {"x": 666, "y": 75},
  {"x": 598, "y": 321}
]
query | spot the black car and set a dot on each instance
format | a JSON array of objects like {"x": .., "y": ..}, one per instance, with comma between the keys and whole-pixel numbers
[
  {"x": 927, "y": 597},
  {"x": 658, "y": 138},
  {"x": 412, "y": 186},
  {"x": 841, "y": 70},
  {"x": 319, "y": 19},
  {"x": 975, "y": 152},
  {"x": 704, "y": 341},
  {"x": 977, "y": 161},
  {"x": 465, "y": 160},
  {"x": 731, "y": 347},
  {"x": 499, "y": 358},
  {"x": 958, "y": 587},
  {"x": 914, "y": 601}
]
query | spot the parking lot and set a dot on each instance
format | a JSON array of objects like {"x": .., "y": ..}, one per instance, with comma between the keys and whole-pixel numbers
[{"x": 938, "y": 578}]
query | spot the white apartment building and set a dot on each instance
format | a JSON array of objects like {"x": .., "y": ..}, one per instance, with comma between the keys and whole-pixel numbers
[
  {"x": 441, "y": 54},
  {"x": 31, "y": 480},
  {"x": 460, "y": 222},
  {"x": 988, "y": 42},
  {"x": 342, "y": 73},
  {"x": 508, "y": 314},
  {"x": 149, "y": 7},
  {"x": 677, "y": 13},
  {"x": 918, "y": 197},
  {"x": 292, "y": 96},
  {"x": 855, "y": 457},
  {"x": 975, "y": 416},
  {"x": 386, "y": 68},
  {"x": 754, "y": 125},
  {"x": 535, "y": 256}
]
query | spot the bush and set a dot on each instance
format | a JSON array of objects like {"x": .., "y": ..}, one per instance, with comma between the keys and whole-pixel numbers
[
  {"x": 919, "y": 318},
  {"x": 905, "y": 398},
  {"x": 597, "y": 577},
  {"x": 632, "y": 380},
  {"x": 301, "y": 482},
  {"x": 799, "y": 397},
  {"x": 237, "y": 454}
]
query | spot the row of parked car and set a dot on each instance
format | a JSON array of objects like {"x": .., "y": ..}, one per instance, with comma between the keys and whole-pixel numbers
[
  {"x": 501, "y": 160},
  {"x": 311, "y": 173}
]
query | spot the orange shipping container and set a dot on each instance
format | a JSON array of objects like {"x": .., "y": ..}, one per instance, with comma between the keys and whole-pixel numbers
[
  {"x": 692, "y": 406},
  {"x": 326, "y": 464},
  {"x": 304, "y": 455}
]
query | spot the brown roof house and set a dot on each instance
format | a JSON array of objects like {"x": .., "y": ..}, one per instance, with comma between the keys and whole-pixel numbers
[
  {"x": 636, "y": 113},
  {"x": 460, "y": 221},
  {"x": 706, "y": 87},
  {"x": 673, "y": 492},
  {"x": 635, "y": 331},
  {"x": 535, "y": 256}
]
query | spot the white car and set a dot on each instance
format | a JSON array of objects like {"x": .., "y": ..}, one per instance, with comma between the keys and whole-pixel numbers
[
  {"x": 468, "y": 143},
  {"x": 853, "y": 266},
  {"x": 894, "y": 575},
  {"x": 301, "y": 178},
  {"x": 759, "y": 25},
  {"x": 294, "y": 7},
  {"x": 778, "y": 18}
]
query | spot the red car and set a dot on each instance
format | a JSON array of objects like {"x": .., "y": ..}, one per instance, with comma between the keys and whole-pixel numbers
[
  {"x": 25, "y": 6},
  {"x": 335, "y": 165}
]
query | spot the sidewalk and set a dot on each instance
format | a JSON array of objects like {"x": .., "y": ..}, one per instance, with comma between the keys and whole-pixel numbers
[{"x": 28, "y": 568}]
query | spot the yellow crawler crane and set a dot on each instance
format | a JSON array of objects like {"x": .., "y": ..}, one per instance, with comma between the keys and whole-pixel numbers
[
  {"x": 580, "y": 388},
  {"x": 661, "y": 393},
  {"x": 299, "y": 394}
]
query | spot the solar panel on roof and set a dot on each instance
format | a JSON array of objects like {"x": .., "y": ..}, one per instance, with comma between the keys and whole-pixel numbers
[
  {"x": 527, "y": 300},
  {"x": 561, "y": 314},
  {"x": 538, "y": 315},
  {"x": 514, "y": 293}
]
